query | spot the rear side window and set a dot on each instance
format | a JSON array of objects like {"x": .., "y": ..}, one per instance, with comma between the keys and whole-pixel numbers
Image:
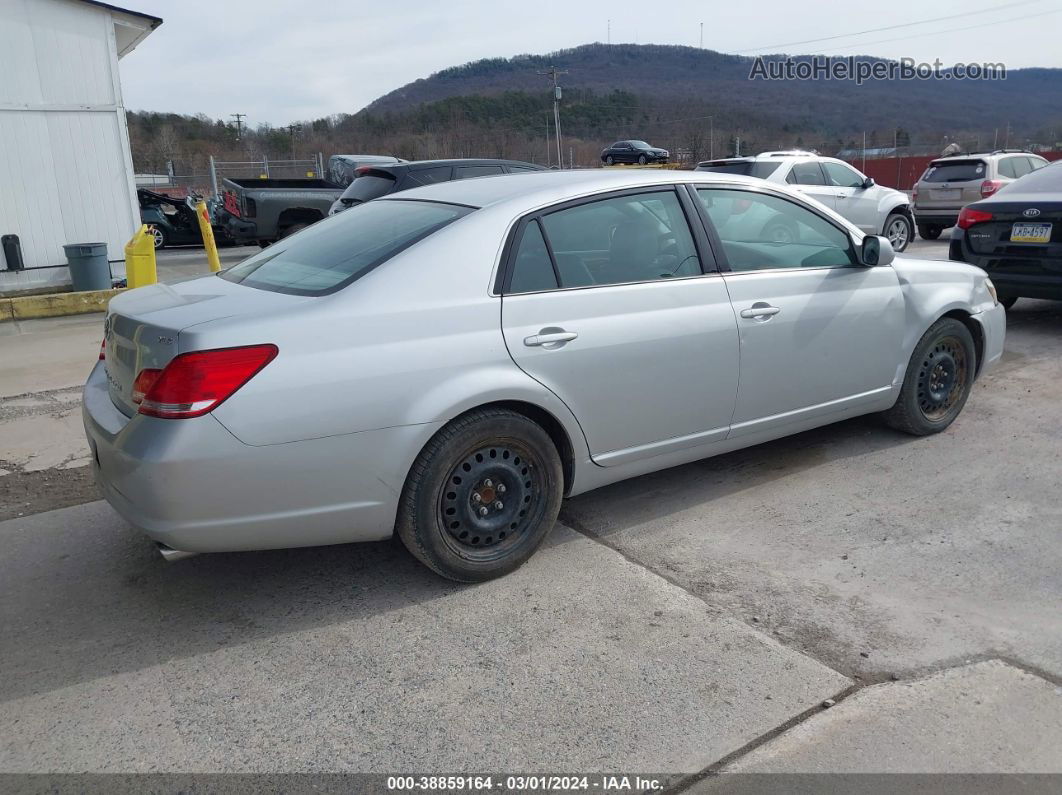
[
  {"x": 532, "y": 268},
  {"x": 806, "y": 174},
  {"x": 367, "y": 187},
  {"x": 1043, "y": 180},
  {"x": 467, "y": 172},
  {"x": 955, "y": 171},
  {"x": 429, "y": 176},
  {"x": 1008, "y": 167},
  {"x": 335, "y": 252},
  {"x": 760, "y": 169}
]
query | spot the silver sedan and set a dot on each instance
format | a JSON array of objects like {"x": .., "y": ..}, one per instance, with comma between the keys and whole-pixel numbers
[{"x": 448, "y": 363}]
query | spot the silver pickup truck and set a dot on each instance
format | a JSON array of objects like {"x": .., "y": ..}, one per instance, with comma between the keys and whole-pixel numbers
[{"x": 265, "y": 210}]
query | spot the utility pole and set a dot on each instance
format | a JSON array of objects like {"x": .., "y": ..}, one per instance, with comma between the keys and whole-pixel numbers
[
  {"x": 552, "y": 74},
  {"x": 293, "y": 130},
  {"x": 711, "y": 137},
  {"x": 239, "y": 123},
  {"x": 610, "y": 33},
  {"x": 702, "y": 35}
]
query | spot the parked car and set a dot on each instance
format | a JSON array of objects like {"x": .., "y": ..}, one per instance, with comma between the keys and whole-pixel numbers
[
  {"x": 875, "y": 209},
  {"x": 372, "y": 182},
  {"x": 263, "y": 211},
  {"x": 173, "y": 222},
  {"x": 1015, "y": 235},
  {"x": 447, "y": 363},
  {"x": 950, "y": 183},
  {"x": 343, "y": 168},
  {"x": 633, "y": 152}
]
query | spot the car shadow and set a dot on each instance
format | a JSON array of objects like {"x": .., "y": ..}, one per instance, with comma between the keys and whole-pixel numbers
[{"x": 630, "y": 503}]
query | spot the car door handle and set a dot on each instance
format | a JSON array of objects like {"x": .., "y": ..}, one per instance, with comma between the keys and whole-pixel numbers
[
  {"x": 549, "y": 337},
  {"x": 760, "y": 310}
]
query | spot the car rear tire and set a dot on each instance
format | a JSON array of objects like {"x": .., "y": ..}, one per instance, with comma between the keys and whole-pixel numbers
[
  {"x": 160, "y": 239},
  {"x": 939, "y": 378},
  {"x": 642, "y": 159},
  {"x": 482, "y": 496},
  {"x": 290, "y": 230},
  {"x": 1009, "y": 301},
  {"x": 929, "y": 232},
  {"x": 899, "y": 230}
]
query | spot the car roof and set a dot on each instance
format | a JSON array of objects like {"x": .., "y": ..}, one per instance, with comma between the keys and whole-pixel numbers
[
  {"x": 536, "y": 188},
  {"x": 463, "y": 161}
]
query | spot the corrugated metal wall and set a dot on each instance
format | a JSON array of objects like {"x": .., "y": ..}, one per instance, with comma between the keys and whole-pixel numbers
[{"x": 65, "y": 171}]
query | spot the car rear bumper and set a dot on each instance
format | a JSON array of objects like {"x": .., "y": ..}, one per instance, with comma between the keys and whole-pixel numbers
[
  {"x": 944, "y": 218},
  {"x": 191, "y": 485},
  {"x": 240, "y": 230},
  {"x": 1047, "y": 283}
]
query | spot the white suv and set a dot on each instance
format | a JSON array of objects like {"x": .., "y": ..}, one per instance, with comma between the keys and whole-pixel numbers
[{"x": 875, "y": 209}]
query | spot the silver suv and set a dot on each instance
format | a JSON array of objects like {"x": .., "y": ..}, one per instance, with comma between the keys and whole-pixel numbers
[
  {"x": 875, "y": 209},
  {"x": 950, "y": 183}
]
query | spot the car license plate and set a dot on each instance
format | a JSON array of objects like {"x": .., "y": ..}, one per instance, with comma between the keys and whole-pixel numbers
[
  {"x": 1030, "y": 233},
  {"x": 945, "y": 195}
]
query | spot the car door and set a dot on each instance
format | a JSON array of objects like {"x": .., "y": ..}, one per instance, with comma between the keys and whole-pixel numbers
[
  {"x": 820, "y": 334},
  {"x": 606, "y": 303},
  {"x": 624, "y": 152},
  {"x": 856, "y": 203},
  {"x": 808, "y": 178}
]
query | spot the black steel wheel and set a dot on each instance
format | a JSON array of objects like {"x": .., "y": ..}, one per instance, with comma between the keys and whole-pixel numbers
[
  {"x": 482, "y": 496},
  {"x": 938, "y": 381}
]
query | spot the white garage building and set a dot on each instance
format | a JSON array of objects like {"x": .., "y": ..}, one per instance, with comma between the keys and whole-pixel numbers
[{"x": 66, "y": 173}]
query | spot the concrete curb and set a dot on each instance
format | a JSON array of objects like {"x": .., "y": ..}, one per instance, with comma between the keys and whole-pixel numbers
[{"x": 55, "y": 304}]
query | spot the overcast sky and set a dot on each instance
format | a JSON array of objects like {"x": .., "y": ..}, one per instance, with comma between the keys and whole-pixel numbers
[{"x": 280, "y": 60}]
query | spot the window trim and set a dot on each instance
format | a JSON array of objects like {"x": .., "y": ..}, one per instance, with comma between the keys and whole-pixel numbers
[
  {"x": 507, "y": 261},
  {"x": 717, "y": 241}
]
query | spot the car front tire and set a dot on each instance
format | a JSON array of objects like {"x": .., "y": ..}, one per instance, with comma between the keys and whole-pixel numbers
[
  {"x": 482, "y": 496},
  {"x": 642, "y": 159},
  {"x": 899, "y": 230},
  {"x": 939, "y": 378},
  {"x": 609, "y": 160}
]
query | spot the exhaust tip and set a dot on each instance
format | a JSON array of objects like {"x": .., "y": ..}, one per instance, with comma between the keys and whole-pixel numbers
[{"x": 171, "y": 555}]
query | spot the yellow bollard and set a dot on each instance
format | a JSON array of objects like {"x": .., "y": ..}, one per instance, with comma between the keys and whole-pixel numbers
[
  {"x": 208, "y": 236},
  {"x": 140, "y": 267}
]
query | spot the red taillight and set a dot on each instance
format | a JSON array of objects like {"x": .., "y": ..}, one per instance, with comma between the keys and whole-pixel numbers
[
  {"x": 968, "y": 217},
  {"x": 196, "y": 383},
  {"x": 103, "y": 350},
  {"x": 143, "y": 383},
  {"x": 990, "y": 186},
  {"x": 363, "y": 169}
]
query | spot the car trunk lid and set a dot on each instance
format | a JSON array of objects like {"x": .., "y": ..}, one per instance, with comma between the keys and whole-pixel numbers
[{"x": 143, "y": 326}]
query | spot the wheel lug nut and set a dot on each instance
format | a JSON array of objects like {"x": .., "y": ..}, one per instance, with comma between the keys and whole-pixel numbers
[
  {"x": 483, "y": 511},
  {"x": 501, "y": 488},
  {"x": 476, "y": 497},
  {"x": 488, "y": 483},
  {"x": 498, "y": 505}
]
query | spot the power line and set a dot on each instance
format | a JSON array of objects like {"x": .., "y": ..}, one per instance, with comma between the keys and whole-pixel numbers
[
  {"x": 890, "y": 27},
  {"x": 951, "y": 30}
]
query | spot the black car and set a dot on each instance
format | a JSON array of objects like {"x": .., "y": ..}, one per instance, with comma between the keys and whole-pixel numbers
[
  {"x": 633, "y": 152},
  {"x": 372, "y": 182},
  {"x": 1015, "y": 235}
]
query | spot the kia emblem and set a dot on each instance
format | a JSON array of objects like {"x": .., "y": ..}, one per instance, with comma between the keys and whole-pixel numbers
[{"x": 1032, "y": 212}]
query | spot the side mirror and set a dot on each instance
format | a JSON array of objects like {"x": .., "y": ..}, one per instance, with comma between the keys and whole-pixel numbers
[
  {"x": 876, "y": 251},
  {"x": 869, "y": 182}
]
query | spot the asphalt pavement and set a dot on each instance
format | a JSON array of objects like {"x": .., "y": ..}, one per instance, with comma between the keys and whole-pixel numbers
[{"x": 846, "y": 600}]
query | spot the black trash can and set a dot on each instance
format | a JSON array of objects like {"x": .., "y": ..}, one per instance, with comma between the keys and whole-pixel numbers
[{"x": 89, "y": 269}]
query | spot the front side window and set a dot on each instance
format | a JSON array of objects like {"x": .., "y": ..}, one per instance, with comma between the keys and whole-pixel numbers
[
  {"x": 335, "y": 252},
  {"x": 805, "y": 174},
  {"x": 760, "y": 231},
  {"x": 842, "y": 176}
]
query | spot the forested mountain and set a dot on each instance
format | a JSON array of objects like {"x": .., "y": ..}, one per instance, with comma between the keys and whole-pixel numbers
[{"x": 682, "y": 98}]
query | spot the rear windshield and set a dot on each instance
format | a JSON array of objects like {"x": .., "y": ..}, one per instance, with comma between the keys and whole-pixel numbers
[
  {"x": 338, "y": 250},
  {"x": 750, "y": 168},
  {"x": 955, "y": 171},
  {"x": 367, "y": 187}
]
